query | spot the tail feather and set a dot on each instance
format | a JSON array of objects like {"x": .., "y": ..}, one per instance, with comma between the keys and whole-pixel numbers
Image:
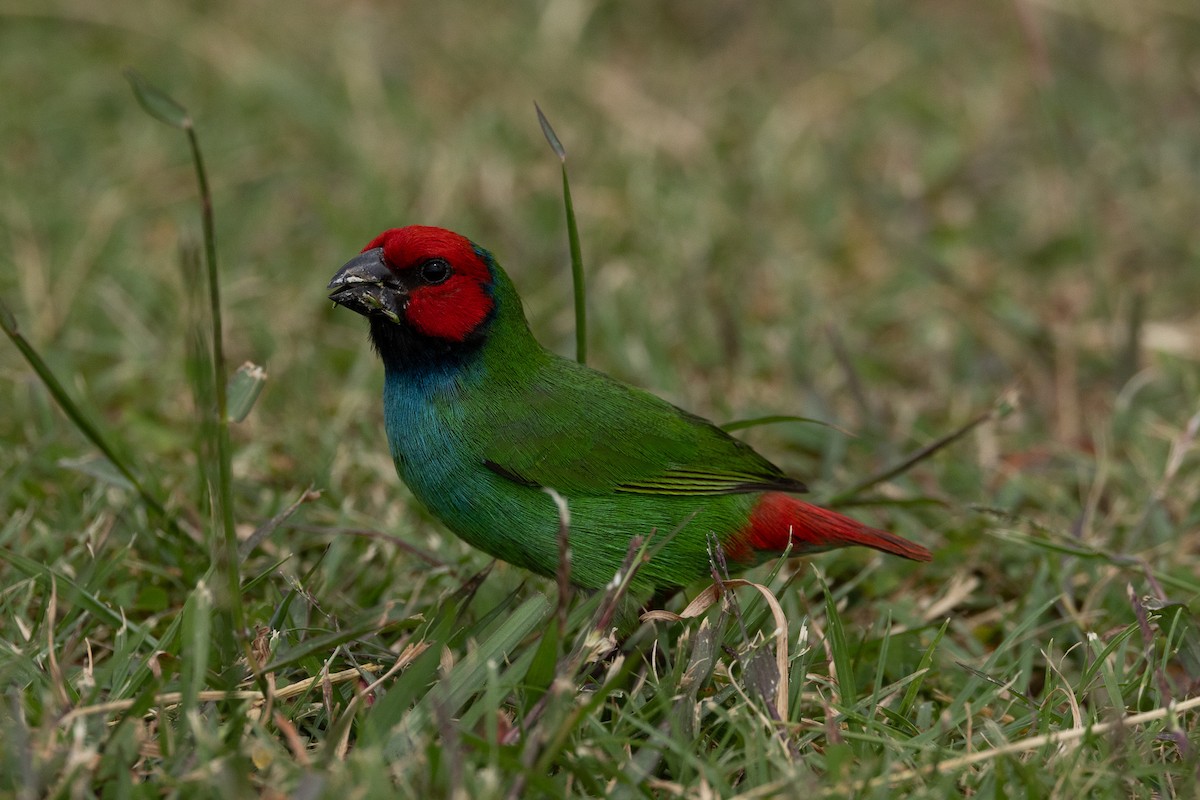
[{"x": 778, "y": 518}]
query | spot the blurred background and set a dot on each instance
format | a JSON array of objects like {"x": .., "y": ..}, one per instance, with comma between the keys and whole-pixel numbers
[{"x": 880, "y": 215}]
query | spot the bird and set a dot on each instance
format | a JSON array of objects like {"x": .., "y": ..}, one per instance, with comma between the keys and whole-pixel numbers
[{"x": 481, "y": 420}]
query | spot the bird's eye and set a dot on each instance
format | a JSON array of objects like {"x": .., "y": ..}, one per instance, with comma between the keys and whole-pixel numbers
[{"x": 434, "y": 271}]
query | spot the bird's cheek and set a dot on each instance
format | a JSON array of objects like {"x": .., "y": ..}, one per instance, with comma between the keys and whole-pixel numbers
[{"x": 449, "y": 311}]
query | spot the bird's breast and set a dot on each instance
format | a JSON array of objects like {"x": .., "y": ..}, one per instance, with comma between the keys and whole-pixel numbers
[{"x": 424, "y": 421}]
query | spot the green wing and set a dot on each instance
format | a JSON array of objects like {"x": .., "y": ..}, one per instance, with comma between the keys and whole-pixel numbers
[{"x": 578, "y": 431}]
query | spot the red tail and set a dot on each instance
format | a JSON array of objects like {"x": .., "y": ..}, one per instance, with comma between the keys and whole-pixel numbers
[{"x": 777, "y": 516}]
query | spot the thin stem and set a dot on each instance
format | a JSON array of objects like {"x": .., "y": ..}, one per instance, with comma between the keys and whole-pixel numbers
[
  {"x": 576, "y": 273},
  {"x": 572, "y": 238},
  {"x": 225, "y": 555}
]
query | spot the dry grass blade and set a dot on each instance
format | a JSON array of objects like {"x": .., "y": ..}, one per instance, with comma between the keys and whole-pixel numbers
[
  {"x": 74, "y": 413},
  {"x": 270, "y": 526},
  {"x": 710, "y": 596},
  {"x": 563, "y": 574},
  {"x": 949, "y": 765},
  {"x": 1033, "y": 743},
  {"x": 1001, "y": 408},
  {"x": 255, "y": 697}
]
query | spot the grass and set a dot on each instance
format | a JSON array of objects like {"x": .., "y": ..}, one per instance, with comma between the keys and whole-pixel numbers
[{"x": 885, "y": 217}]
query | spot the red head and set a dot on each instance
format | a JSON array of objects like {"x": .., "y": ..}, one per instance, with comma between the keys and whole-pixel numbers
[
  {"x": 434, "y": 281},
  {"x": 449, "y": 294}
]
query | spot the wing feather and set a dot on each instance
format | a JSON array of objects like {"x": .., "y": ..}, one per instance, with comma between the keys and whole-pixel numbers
[{"x": 578, "y": 431}]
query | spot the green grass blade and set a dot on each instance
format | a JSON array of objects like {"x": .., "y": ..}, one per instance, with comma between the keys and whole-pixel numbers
[
  {"x": 156, "y": 102},
  {"x": 773, "y": 419},
  {"x": 244, "y": 389},
  {"x": 572, "y": 238},
  {"x": 839, "y": 647},
  {"x": 469, "y": 675},
  {"x": 74, "y": 413},
  {"x": 322, "y": 644},
  {"x": 225, "y": 548},
  {"x": 912, "y": 693},
  {"x": 75, "y": 593},
  {"x": 551, "y": 136},
  {"x": 1000, "y": 409},
  {"x": 197, "y": 637}
]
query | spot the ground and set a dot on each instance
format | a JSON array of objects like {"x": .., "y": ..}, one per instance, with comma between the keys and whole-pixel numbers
[{"x": 893, "y": 218}]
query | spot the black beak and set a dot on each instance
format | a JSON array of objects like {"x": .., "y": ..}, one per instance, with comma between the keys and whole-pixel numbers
[{"x": 366, "y": 285}]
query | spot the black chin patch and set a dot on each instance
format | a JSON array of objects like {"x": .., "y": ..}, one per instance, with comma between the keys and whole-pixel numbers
[{"x": 403, "y": 348}]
